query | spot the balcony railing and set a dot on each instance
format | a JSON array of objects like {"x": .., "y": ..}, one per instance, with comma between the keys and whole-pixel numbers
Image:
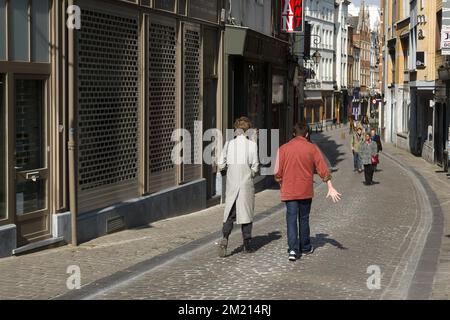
[{"x": 313, "y": 84}]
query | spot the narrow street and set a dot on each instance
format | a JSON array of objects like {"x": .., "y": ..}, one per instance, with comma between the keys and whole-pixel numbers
[{"x": 385, "y": 226}]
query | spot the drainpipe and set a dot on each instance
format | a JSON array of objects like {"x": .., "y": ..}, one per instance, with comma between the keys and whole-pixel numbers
[{"x": 72, "y": 143}]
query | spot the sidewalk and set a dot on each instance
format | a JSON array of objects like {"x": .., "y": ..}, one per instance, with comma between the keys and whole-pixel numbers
[
  {"x": 42, "y": 275},
  {"x": 439, "y": 183}
]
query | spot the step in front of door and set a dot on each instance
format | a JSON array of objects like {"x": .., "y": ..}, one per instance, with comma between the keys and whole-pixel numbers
[{"x": 37, "y": 245}]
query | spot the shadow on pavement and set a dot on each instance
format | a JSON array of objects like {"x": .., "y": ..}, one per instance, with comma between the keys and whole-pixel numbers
[
  {"x": 259, "y": 241},
  {"x": 321, "y": 239},
  {"x": 329, "y": 147}
]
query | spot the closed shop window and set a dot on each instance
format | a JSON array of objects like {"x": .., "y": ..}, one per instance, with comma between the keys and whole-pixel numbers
[
  {"x": 108, "y": 88},
  {"x": 162, "y": 44},
  {"x": 19, "y": 30},
  {"x": 3, "y": 28},
  {"x": 40, "y": 31},
  {"x": 192, "y": 96},
  {"x": 2, "y": 150},
  {"x": 256, "y": 102}
]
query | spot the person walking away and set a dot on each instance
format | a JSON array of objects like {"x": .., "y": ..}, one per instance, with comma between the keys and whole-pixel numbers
[
  {"x": 368, "y": 152},
  {"x": 296, "y": 163},
  {"x": 240, "y": 159},
  {"x": 351, "y": 129},
  {"x": 377, "y": 139},
  {"x": 355, "y": 142}
]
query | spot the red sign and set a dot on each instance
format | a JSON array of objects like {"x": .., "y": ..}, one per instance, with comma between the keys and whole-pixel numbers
[{"x": 291, "y": 16}]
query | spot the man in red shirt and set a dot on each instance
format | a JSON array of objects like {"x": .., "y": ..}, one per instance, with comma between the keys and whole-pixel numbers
[{"x": 296, "y": 163}]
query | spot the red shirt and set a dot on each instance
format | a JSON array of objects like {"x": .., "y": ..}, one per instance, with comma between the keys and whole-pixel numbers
[{"x": 296, "y": 162}]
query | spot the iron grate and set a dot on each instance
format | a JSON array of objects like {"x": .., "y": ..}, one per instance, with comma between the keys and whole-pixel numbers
[
  {"x": 108, "y": 78},
  {"x": 115, "y": 224},
  {"x": 162, "y": 105},
  {"x": 192, "y": 87}
]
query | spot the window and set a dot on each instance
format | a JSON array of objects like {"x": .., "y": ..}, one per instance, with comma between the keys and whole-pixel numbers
[
  {"x": 182, "y": 7},
  {"x": 168, "y": 5},
  {"x": 2, "y": 27},
  {"x": 2, "y": 150},
  {"x": 40, "y": 31},
  {"x": 406, "y": 9},
  {"x": 438, "y": 30},
  {"x": 19, "y": 30},
  {"x": 206, "y": 10},
  {"x": 29, "y": 25},
  {"x": 420, "y": 60}
]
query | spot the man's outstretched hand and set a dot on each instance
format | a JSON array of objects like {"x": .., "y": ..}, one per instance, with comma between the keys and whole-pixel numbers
[{"x": 332, "y": 193}]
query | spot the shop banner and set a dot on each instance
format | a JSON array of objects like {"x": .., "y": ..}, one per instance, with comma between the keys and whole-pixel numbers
[{"x": 292, "y": 16}]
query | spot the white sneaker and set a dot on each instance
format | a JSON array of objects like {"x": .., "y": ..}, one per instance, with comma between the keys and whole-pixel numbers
[{"x": 292, "y": 255}]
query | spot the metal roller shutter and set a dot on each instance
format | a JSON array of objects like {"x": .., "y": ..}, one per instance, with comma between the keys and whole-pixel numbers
[
  {"x": 108, "y": 101},
  {"x": 192, "y": 111},
  {"x": 162, "y": 105}
]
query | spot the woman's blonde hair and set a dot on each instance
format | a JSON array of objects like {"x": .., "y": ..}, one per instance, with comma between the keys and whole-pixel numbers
[{"x": 243, "y": 123}]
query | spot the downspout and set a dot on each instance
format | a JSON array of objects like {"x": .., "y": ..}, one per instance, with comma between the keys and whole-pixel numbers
[{"x": 72, "y": 143}]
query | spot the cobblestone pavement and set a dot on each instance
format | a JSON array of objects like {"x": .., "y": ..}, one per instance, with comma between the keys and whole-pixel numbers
[
  {"x": 439, "y": 183},
  {"x": 42, "y": 275},
  {"x": 384, "y": 225}
]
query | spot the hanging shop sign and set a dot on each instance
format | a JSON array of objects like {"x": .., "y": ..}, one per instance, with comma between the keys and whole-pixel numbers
[
  {"x": 292, "y": 16},
  {"x": 445, "y": 34}
]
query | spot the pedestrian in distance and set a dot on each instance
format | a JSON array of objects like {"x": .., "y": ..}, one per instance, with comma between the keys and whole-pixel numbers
[
  {"x": 369, "y": 155},
  {"x": 351, "y": 126},
  {"x": 365, "y": 123},
  {"x": 296, "y": 163},
  {"x": 355, "y": 143},
  {"x": 377, "y": 139},
  {"x": 240, "y": 160}
]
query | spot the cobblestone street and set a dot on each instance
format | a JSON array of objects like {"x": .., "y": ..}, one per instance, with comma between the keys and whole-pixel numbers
[{"x": 398, "y": 225}]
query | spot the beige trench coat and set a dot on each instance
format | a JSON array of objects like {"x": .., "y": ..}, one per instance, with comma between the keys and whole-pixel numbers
[{"x": 240, "y": 156}]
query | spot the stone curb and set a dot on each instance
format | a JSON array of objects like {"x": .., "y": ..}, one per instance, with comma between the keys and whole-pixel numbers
[{"x": 422, "y": 261}]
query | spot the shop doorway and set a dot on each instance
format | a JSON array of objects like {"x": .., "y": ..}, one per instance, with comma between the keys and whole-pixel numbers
[
  {"x": 440, "y": 132},
  {"x": 30, "y": 160},
  {"x": 210, "y": 84},
  {"x": 3, "y": 213}
]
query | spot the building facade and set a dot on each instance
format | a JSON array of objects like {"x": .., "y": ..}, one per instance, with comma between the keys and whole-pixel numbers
[
  {"x": 319, "y": 91},
  {"x": 416, "y": 99},
  {"x": 256, "y": 66},
  {"x": 88, "y": 114},
  {"x": 341, "y": 63},
  {"x": 362, "y": 41},
  {"x": 442, "y": 113}
]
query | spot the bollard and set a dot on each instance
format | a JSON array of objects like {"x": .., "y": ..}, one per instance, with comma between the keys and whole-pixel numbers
[{"x": 343, "y": 135}]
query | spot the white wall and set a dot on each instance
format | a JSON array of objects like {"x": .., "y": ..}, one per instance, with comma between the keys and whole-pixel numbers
[
  {"x": 341, "y": 40},
  {"x": 320, "y": 14}
]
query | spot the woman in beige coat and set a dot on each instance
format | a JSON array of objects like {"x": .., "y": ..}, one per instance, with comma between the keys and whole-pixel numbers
[{"x": 240, "y": 159}]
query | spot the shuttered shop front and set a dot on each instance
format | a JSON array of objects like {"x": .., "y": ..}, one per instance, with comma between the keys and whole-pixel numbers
[{"x": 108, "y": 107}]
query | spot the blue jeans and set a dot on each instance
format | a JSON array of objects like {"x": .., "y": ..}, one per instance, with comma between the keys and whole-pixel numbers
[
  {"x": 297, "y": 217},
  {"x": 356, "y": 161}
]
